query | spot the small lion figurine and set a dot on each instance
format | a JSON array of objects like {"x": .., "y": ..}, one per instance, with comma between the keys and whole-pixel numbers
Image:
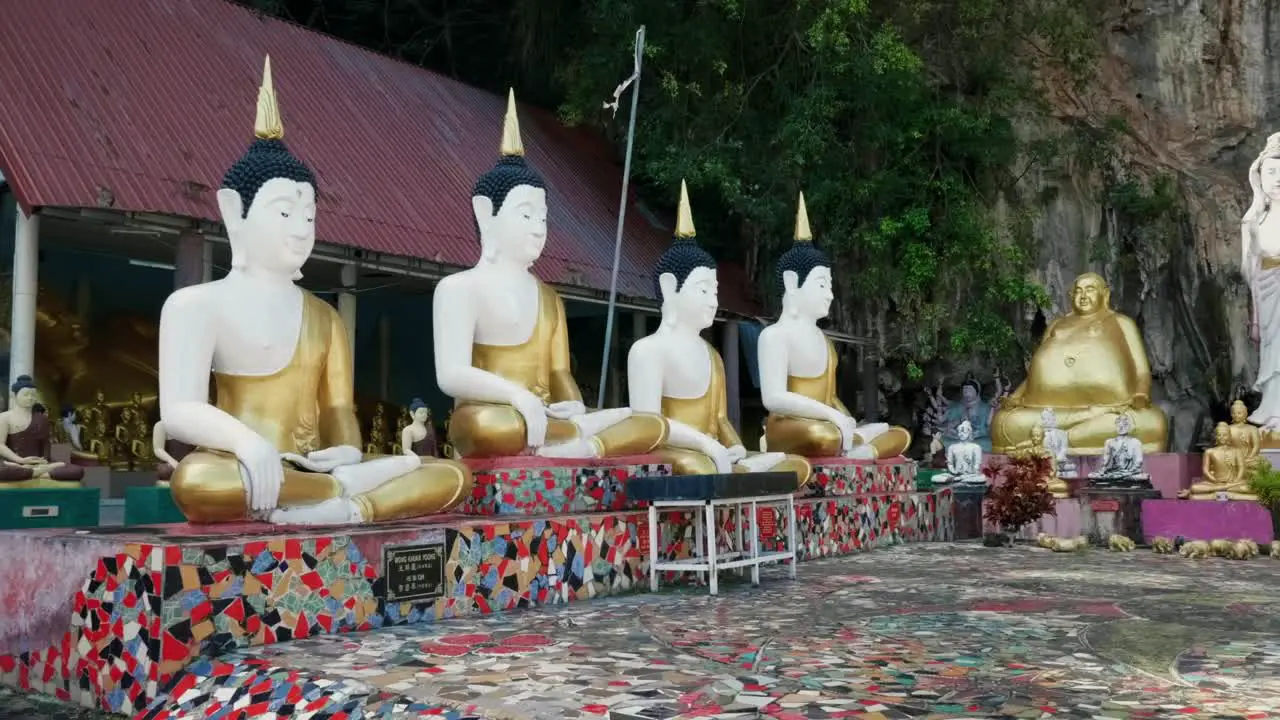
[
  {"x": 1275, "y": 548},
  {"x": 1120, "y": 543},
  {"x": 1221, "y": 548},
  {"x": 1044, "y": 540},
  {"x": 1253, "y": 546},
  {"x": 1196, "y": 549},
  {"x": 1162, "y": 546},
  {"x": 1069, "y": 544}
]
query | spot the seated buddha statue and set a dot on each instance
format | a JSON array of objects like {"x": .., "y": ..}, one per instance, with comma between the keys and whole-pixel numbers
[
  {"x": 281, "y": 441},
  {"x": 1034, "y": 447},
  {"x": 1224, "y": 469},
  {"x": 677, "y": 374},
  {"x": 25, "y": 439},
  {"x": 798, "y": 362},
  {"x": 1091, "y": 367},
  {"x": 1245, "y": 435},
  {"x": 419, "y": 436},
  {"x": 502, "y": 342}
]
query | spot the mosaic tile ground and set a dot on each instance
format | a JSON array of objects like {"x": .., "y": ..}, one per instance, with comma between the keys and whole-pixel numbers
[
  {"x": 167, "y": 598},
  {"x": 930, "y": 630}
]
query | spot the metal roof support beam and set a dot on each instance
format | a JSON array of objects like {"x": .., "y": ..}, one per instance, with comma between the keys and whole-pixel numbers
[{"x": 22, "y": 323}]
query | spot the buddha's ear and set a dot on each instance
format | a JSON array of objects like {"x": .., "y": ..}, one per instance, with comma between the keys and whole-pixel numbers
[
  {"x": 790, "y": 281},
  {"x": 667, "y": 284},
  {"x": 482, "y": 208},
  {"x": 231, "y": 207}
]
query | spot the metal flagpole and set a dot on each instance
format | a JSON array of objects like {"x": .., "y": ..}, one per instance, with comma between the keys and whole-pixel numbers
[{"x": 622, "y": 209}]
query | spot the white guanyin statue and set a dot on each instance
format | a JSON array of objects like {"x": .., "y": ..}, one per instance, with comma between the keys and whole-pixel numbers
[
  {"x": 797, "y": 363},
  {"x": 281, "y": 442},
  {"x": 1260, "y": 263},
  {"x": 502, "y": 342},
  {"x": 964, "y": 459},
  {"x": 679, "y": 375},
  {"x": 1056, "y": 442},
  {"x": 1122, "y": 457}
]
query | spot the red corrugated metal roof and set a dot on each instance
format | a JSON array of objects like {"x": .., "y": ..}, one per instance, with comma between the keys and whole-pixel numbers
[{"x": 150, "y": 101}]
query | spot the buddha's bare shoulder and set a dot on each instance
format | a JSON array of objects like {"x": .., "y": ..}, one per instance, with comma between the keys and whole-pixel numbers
[
  {"x": 457, "y": 284},
  {"x": 192, "y": 299},
  {"x": 771, "y": 333},
  {"x": 645, "y": 347}
]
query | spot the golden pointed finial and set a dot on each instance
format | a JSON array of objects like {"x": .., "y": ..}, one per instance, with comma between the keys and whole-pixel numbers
[
  {"x": 803, "y": 233},
  {"x": 267, "y": 125},
  {"x": 684, "y": 216},
  {"x": 511, "y": 144}
]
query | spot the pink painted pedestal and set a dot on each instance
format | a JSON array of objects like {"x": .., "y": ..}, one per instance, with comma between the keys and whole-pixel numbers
[{"x": 1206, "y": 520}]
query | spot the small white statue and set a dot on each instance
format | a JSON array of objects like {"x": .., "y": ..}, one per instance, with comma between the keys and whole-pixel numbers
[
  {"x": 1056, "y": 442},
  {"x": 1122, "y": 457},
  {"x": 964, "y": 459},
  {"x": 418, "y": 438}
]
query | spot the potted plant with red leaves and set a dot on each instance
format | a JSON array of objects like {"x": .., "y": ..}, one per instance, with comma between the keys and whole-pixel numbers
[{"x": 1018, "y": 496}]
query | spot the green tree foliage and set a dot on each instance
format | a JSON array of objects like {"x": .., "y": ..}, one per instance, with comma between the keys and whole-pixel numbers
[{"x": 897, "y": 118}]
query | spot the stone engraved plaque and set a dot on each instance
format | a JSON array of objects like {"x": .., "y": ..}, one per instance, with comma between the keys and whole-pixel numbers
[{"x": 414, "y": 572}]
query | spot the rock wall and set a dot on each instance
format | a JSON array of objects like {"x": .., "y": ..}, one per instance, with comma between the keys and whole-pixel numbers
[{"x": 1197, "y": 92}]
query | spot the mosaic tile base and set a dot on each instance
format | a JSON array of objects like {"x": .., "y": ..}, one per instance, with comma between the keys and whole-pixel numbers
[
  {"x": 545, "y": 486},
  {"x": 843, "y": 476},
  {"x": 925, "y": 631},
  {"x": 168, "y": 596}
]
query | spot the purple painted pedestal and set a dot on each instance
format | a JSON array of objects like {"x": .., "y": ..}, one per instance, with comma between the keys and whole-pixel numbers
[{"x": 1206, "y": 520}]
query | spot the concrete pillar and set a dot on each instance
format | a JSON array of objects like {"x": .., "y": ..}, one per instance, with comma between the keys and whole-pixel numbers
[
  {"x": 22, "y": 324},
  {"x": 206, "y": 267},
  {"x": 870, "y": 385},
  {"x": 384, "y": 357},
  {"x": 188, "y": 263},
  {"x": 732, "y": 371},
  {"x": 347, "y": 306}
]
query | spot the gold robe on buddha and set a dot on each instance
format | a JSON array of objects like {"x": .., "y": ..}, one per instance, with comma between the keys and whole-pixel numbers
[
  {"x": 540, "y": 365},
  {"x": 819, "y": 438},
  {"x": 709, "y": 414},
  {"x": 1224, "y": 468},
  {"x": 306, "y": 406}
]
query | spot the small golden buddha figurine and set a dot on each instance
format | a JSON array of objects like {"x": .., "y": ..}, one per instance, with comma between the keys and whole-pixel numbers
[
  {"x": 377, "y": 444},
  {"x": 1090, "y": 368},
  {"x": 1034, "y": 447},
  {"x": 1224, "y": 470},
  {"x": 1245, "y": 435}
]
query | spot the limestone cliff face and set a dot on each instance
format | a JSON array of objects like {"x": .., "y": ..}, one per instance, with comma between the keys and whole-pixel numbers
[{"x": 1198, "y": 90}]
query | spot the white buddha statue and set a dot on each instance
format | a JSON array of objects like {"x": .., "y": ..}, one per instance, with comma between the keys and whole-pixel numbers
[
  {"x": 964, "y": 459},
  {"x": 1260, "y": 263},
  {"x": 281, "y": 441},
  {"x": 1057, "y": 443},
  {"x": 798, "y": 367},
  {"x": 501, "y": 340},
  {"x": 1122, "y": 457},
  {"x": 679, "y": 375}
]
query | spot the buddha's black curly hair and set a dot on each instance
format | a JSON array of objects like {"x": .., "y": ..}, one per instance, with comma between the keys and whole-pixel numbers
[
  {"x": 801, "y": 258},
  {"x": 265, "y": 160},
  {"x": 680, "y": 260},
  {"x": 510, "y": 173}
]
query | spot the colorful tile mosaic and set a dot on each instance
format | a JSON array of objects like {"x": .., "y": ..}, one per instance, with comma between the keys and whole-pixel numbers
[
  {"x": 929, "y": 630},
  {"x": 541, "y": 486},
  {"x": 843, "y": 476},
  {"x": 174, "y": 594}
]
